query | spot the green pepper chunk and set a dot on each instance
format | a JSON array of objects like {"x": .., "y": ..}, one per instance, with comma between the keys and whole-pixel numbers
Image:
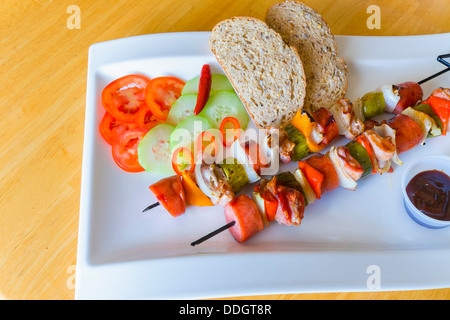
[
  {"x": 373, "y": 104},
  {"x": 427, "y": 109},
  {"x": 288, "y": 179},
  {"x": 360, "y": 154},
  {"x": 235, "y": 174},
  {"x": 301, "y": 149}
]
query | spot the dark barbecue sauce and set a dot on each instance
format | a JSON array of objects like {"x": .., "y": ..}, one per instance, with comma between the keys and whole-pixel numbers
[{"x": 429, "y": 192}]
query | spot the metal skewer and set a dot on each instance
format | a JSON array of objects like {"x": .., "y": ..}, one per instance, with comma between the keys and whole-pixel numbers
[
  {"x": 151, "y": 206},
  {"x": 441, "y": 60},
  {"x": 212, "y": 234}
]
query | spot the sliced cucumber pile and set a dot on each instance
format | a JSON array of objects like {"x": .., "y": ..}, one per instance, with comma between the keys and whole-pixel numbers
[
  {"x": 181, "y": 109},
  {"x": 182, "y": 127},
  {"x": 218, "y": 82},
  {"x": 154, "y": 150},
  {"x": 186, "y": 132},
  {"x": 224, "y": 104}
]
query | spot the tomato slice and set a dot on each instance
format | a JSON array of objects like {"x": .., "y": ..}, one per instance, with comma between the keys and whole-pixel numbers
[
  {"x": 161, "y": 94},
  {"x": 124, "y": 149},
  {"x": 145, "y": 119},
  {"x": 170, "y": 193},
  {"x": 111, "y": 128},
  {"x": 123, "y": 97}
]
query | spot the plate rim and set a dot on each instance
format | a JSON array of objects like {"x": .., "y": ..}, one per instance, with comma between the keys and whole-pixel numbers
[{"x": 85, "y": 270}]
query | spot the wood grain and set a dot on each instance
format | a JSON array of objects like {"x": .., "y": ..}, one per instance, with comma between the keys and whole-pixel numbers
[{"x": 43, "y": 69}]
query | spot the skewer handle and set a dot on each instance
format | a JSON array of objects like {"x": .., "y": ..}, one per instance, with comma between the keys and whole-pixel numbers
[
  {"x": 441, "y": 59},
  {"x": 445, "y": 63}
]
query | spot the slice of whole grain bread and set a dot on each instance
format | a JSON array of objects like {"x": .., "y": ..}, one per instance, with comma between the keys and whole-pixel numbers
[
  {"x": 305, "y": 29},
  {"x": 266, "y": 73}
]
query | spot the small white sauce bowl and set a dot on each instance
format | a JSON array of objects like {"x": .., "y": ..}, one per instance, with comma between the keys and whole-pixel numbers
[{"x": 440, "y": 163}]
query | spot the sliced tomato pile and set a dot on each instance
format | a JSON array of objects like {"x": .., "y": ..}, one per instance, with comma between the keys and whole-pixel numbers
[
  {"x": 134, "y": 104},
  {"x": 124, "y": 97},
  {"x": 124, "y": 149},
  {"x": 161, "y": 95}
]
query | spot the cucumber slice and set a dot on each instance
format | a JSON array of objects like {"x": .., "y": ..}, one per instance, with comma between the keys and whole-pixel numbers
[
  {"x": 181, "y": 109},
  {"x": 224, "y": 104},
  {"x": 154, "y": 150},
  {"x": 186, "y": 133},
  {"x": 218, "y": 82}
]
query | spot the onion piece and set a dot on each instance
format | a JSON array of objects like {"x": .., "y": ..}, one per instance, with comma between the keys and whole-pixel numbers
[
  {"x": 386, "y": 131},
  {"x": 345, "y": 180},
  {"x": 358, "y": 110},
  {"x": 218, "y": 191},
  {"x": 316, "y": 134},
  {"x": 426, "y": 122},
  {"x": 391, "y": 97},
  {"x": 380, "y": 166},
  {"x": 238, "y": 152},
  {"x": 208, "y": 175},
  {"x": 348, "y": 123},
  {"x": 270, "y": 148},
  {"x": 256, "y": 196},
  {"x": 307, "y": 189}
]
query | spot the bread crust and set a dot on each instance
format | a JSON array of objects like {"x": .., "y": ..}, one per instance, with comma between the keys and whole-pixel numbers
[
  {"x": 272, "y": 83},
  {"x": 305, "y": 29}
]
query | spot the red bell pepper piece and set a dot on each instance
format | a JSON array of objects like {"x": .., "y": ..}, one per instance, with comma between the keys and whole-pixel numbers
[
  {"x": 366, "y": 144},
  {"x": 314, "y": 177},
  {"x": 325, "y": 119},
  {"x": 442, "y": 108}
]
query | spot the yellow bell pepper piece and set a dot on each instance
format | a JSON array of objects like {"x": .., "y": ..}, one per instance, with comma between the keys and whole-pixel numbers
[
  {"x": 194, "y": 196},
  {"x": 303, "y": 123}
]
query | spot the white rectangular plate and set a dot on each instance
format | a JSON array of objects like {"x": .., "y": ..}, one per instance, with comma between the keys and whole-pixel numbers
[{"x": 344, "y": 238}]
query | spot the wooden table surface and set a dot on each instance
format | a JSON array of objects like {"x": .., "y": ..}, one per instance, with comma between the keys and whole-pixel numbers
[{"x": 43, "y": 69}]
